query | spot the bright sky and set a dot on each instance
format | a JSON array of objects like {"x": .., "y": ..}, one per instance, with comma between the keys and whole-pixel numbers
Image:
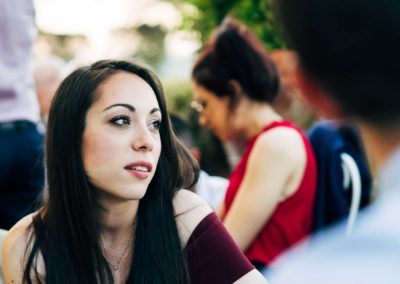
[
  {"x": 96, "y": 18},
  {"x": 89, "y": 16}
]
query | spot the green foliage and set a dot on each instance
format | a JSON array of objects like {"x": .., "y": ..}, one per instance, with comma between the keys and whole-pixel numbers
[
  {"x": 208, "y": 14},
  {"x": 152, "y": 48},
  {"x": 63, "y": 45},
  {"x": 146, "y": 42},
  {"x": 179, "y": 96}
]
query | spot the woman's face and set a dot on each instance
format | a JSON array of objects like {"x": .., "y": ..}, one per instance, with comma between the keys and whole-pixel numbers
[
  {"x": 121, "y": 140},
  {"x": 214, "y": 112}
]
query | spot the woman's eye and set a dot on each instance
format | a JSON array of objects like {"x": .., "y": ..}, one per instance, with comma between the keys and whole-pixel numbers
[
  {"x": 121, "y": 120},
  {"x": 155, "y": 125}
]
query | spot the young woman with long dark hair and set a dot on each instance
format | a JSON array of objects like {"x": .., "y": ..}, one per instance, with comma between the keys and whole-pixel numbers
[{"x": 113, "y": 209}]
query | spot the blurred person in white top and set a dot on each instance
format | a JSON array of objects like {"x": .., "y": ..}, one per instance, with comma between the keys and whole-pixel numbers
[
  {"x": 21, "y": 144},
  {"x": 349, "y": 69}
]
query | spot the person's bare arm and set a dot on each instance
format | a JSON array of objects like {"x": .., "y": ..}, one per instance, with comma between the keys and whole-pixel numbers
[
  {"x": 219, "y": 211},
  {"x": 277, "y": 158}
]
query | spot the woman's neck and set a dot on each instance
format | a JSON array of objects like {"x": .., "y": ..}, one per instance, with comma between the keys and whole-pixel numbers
[
  {"x": 254, "y": 116},
  {"x": 117, "y": 222},
  {"x": 117, "y": 219}
]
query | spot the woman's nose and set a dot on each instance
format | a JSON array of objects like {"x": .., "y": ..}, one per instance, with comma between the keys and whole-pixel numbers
[{"x": 143, "y": 140}]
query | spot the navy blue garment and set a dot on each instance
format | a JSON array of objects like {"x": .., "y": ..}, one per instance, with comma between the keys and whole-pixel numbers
[
  {"x": 332, "y": 202},
  {"x": 21, "y": 170}
]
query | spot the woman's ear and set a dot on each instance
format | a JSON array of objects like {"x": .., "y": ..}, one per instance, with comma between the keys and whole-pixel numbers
[
  {"x": 325, "y": 105},
  {"x": 235, "y": 94},
  {"x": 235, "y": 87}
]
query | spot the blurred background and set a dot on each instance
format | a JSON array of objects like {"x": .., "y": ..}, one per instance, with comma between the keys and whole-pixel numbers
[{"x": 167, "y": 36}]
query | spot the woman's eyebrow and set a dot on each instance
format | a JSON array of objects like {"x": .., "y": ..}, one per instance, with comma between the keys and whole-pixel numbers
[
  {"x": 155, "y": 110},
  {"x": 128, "y": 106}
]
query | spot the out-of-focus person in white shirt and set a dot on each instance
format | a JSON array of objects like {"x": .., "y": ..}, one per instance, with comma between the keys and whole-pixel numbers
[
  {"x": 21, "y": 144},
  {"x": 350, "y": 68}
]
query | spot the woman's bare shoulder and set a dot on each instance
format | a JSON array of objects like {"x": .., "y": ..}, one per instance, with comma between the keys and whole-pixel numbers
[
  {"x": 281, "y": 144},
  {"x": 19, "y": 233},
  {"x": 186, "y": 201},
  {"x": 14, "y": 250},
  {"x": 190, "y": 210},
  {"x": 283, "y": 138}
]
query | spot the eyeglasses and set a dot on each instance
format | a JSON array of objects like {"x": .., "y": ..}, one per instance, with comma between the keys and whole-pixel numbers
[{"x": 198, "y": 106}]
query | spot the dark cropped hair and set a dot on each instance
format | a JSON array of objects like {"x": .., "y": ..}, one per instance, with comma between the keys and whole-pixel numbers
[
  {"x": 234, "y": 53},
  {"x": 69, "y": 238},
  {"x": 352, "y": 48}
]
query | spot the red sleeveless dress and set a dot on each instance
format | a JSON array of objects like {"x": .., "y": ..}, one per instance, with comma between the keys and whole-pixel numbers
[{"x": 292, "y": 218}]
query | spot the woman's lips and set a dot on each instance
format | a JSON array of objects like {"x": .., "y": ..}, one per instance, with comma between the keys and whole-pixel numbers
[
  {"x": 140, "y": 169},
  {"x": 139, "y": 174}
]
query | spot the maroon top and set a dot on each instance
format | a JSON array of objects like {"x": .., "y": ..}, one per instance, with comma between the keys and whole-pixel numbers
[
  {"x": 292, "y": 218},
  {"x": 213, "y": 256}
]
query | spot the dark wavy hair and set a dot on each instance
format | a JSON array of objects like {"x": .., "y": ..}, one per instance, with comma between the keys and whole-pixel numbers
[
  {"x": 233, "y": 52},
  {"x": 69, "y": 238},
  {"x": 352, "y": 49}
]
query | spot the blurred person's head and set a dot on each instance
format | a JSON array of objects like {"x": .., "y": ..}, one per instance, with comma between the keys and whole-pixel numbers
[
  {"x": 349, "y": 51},
  {"x": 232, "y": 72},
  {"x": 47, "y": 73},
  {"x": 289, "y": 103},
  {"x": 350, "y": 63}
]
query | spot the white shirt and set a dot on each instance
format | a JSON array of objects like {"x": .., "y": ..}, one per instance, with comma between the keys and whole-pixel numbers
[
  {"x": 211, "y": 188},
  {"x": 17, "y": 32}
]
